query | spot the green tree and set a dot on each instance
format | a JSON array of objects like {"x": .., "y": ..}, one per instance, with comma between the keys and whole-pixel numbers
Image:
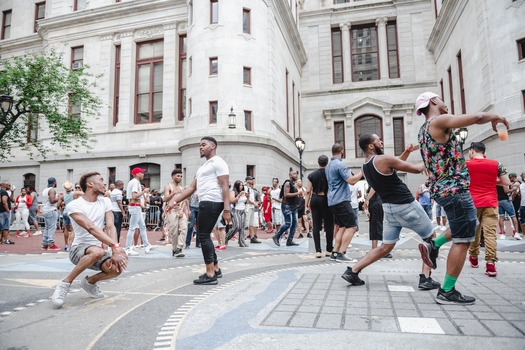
[{"x": 48, "y": 96}]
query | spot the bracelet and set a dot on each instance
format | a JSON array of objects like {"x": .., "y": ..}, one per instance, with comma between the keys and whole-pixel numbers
[{"x": 116, "y": 246}]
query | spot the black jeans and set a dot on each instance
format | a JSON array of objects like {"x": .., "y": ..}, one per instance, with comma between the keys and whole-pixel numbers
[
  {"x": 321, "y": 213},
  {"x": 208, "y": 214},
  {"x": 118, "y": 223}
]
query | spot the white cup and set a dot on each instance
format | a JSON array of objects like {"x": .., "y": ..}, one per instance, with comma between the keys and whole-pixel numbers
[{"x": 503, "y": 133}]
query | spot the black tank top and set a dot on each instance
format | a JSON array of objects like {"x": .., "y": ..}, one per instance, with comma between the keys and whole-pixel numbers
[
  {"x": 319, "y": 181},
  {"x": 390, "y": 187}
]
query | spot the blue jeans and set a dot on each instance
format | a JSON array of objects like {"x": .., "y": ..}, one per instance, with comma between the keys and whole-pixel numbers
[
  {"x": 117, "y": 215},
  {"x": 461, "y": 215},
  {"x": 191, "y": 224},
  {"x": 4, "y": 221},
  {"x": 50, "y": 220},
  {"x": 136, "y": 220},
  {"x": 428, "y": 210},
  {"x": 290, "y": 221}
]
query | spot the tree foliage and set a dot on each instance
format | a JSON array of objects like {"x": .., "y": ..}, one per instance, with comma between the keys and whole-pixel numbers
[{"x": 45, "y": 91}]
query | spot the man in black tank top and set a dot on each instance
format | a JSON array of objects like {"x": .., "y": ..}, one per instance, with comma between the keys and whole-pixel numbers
[
  {"x": 317, "y": 201},
  {"x": 399, "y": 206}
]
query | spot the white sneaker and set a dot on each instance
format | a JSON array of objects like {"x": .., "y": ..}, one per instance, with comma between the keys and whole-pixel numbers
[
  {"x": 131, "y": 252},
  {"x": 148, "y": 248},
  {"x": 37, "y": 233},
  {"x": 356, "y": 234},
  {"x": 59, "y": 295},
  {"x": 91, "y": 289},
  {"x": 501, "y": 236},
  {"x": 517, "y": 236}
]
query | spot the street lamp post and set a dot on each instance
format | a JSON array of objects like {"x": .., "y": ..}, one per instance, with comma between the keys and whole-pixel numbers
[
  {"x": 232, "y": 123},
  {"x": 6, "y": 103},
  {"x": 461, "y": 134},
  {"x": 299, "y": 143}
]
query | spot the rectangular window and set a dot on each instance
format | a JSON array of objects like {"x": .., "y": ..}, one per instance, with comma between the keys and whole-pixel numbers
[
  {"x": 77, "y": 57},
  {"x": 450, "y": 90},
  {"x": 365, "y": 56},
  {"x": 399, "y": 136},
  {"x": 40, "y": 12},
  {"x": 79, "y": 5},
  {"x": 214, "y": 105},
  {"x": 287, "y": 107},
  {"x": 461, "y": 86},
  {"x": 116, "y": 87},
  {"x": 341, "y": 1},
  {"x": 250, "y": 170},
  {"x": 214, "y": 11},
  {"x": 112, "y": 175},
  {"x": 247, "y": 76},
  {"x": 299, "y": 112},
  {"x": 246, "y": 25},
  {"x": 339, "y": 135},
  {"x": 393, "y": 58},
  {"x": 248, "y": 120},
  {"x": 32, "y": 128},
  {"x": 182, "y": 76},
  {"x": 214, "y": 66},
  {"x": 149, "y": 77},
  {"x": 69, "y": 174},
  {"x": 6, "y": 24},
  {"x": 521, "y": 49},
  {"x": 523, "y": 98},
  {"x": 74, "y": 109},
  {"x": 337, "y": 56}
]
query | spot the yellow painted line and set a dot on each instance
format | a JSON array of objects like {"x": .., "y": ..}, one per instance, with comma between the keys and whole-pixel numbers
[{"x": 35, "y": 282}]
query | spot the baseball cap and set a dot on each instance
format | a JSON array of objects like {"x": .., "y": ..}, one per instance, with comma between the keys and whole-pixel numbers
[
  {"x": 249, "y": 178},
  {"x": 423, "y": 100},
  {"x": 51, "y": 180},
  {"x": 135, "y": 171}
]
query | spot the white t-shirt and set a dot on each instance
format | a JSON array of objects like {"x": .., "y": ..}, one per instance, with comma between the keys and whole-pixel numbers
[
  {"x": 353, "y": 196},
  {"x": 95, "y": 212},
  {"x": 251, "y": 192},
  {"x": 522, "y": 190},
  {"x": 208, "y": 187},
  {"x": 116, "y": 195},
  {"x": 274, "y": 193},
  {"x": 133, "y": 186},
  {"x": 241, "y": 203}
]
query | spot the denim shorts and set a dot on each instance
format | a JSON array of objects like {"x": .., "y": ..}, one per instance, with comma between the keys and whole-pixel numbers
[
  {"x": 439, "y": 211},
  {"x": 4, "y": 221},
  {"x": 410, "y": 215},
  {"x": 461, "y": 215},
  {"x": 79, "y": 250},
  {"x": 505, "y": 206},
  {"x": 66, "y": 219}
]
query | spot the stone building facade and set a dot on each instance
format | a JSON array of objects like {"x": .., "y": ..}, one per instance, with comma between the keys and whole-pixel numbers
[{"x": 323, "y": 70}]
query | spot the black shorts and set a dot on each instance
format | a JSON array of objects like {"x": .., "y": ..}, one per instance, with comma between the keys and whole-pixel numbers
[
  {"x": 300, "y": 212},
  {"x": 344, "y": 214},
  {"x": 376, "y": 222}
]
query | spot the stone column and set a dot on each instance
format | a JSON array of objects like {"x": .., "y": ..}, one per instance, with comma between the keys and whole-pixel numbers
[
  {"x": 170, "y": 84},
  {"x": 382, "y": 47},
  {"x": 345, "y": 39},
  {"x": 126, "y": 118}
]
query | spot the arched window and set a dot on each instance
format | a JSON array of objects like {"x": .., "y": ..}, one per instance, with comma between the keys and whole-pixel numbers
[
  {"x": 151, "y": 175},
  {"x": 367, "y": 124},
  {"x": 29, "y": 180}
]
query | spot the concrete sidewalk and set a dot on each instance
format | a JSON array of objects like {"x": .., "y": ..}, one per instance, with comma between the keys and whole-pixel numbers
[{"x": 312, "y": 307}]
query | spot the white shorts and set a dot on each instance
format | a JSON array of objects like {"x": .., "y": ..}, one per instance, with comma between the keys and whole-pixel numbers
[
  {"x": 277, "y": 217},
  {"x": 252, "y": 217}
]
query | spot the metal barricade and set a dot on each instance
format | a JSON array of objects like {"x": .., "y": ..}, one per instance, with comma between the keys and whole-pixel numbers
[{"x": 152, "y": 217}]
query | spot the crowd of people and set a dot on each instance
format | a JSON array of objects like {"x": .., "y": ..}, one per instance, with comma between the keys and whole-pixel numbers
[{"x": 471, "y": 199}]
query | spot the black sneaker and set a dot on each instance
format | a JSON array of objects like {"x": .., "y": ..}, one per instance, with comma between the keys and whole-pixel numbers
[
  {"x": 428, "y": 283},
  {"x": 301, "y": 235},
  {"x": 254, "y": 240},
  {"x": 205, "y": 279},
  {"x": 275, "y": 240},
  {"x": 333, "y": 256},
  {"x": 309, "y": 235},
  {"x": 178, "y": 253},
  {"x": 8, "y": 242},
  {"x": 291, "y": 243},
  {"x": 352, "y": 277},
  {"x": 453, "y": 298},
  {"x": 218, "y": 273},
  {"x": 343, "y": 258},
  {"x": 429, "y": 253}
]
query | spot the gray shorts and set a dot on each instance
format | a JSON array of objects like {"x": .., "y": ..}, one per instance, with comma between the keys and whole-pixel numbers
[
  {"x": 78, "y": 251},
  {"x": 410, "y": 215}
]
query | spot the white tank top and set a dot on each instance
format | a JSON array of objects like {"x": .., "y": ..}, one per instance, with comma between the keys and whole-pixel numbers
[{"x": 46, "y": 204}]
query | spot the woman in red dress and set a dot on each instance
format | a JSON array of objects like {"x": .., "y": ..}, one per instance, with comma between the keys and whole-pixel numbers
[{"x": 267, "y": 209}]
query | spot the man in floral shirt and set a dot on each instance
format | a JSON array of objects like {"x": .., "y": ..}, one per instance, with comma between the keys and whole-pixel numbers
[{"x": 449, "y": 184}]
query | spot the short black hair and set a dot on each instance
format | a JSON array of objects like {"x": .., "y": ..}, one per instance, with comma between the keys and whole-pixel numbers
[
  {"x": 478, "y": 147},
  {"x": 209, "y": 138},
  {"x": 84, "y": 179},
  {"x": 176, "y": 171},
  {"x": 337, "y": 148},
  {"x": 322, "y": 160},
  {"x": 365, "y": 140}
]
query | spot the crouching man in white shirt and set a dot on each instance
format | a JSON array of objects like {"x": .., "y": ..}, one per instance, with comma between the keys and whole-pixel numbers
[{"x": 88, "y": 214}]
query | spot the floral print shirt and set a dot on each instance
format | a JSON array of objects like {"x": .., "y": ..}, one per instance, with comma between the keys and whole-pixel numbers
[{"x": 448, "y": 171}]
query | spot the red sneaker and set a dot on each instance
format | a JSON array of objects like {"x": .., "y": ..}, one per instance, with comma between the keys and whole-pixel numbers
[
  {"x": 53, "y": 247},
  {"x": 473, "y": 261},
  {"x": 491, "y": 270},
  {"x": 44, "y": 247},
  {"x": 222, "y": 248}
]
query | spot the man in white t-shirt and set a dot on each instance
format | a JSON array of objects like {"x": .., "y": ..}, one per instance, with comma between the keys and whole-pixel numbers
[
  {"x": 136, "y": 219},
  {"x": 212, "y": 186},
  {"x": 277, "y": 215},
  {"x": 88, "y": 214},
  {"x": 354, "y": 201},
  {"x": 118, "y": 209}
]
